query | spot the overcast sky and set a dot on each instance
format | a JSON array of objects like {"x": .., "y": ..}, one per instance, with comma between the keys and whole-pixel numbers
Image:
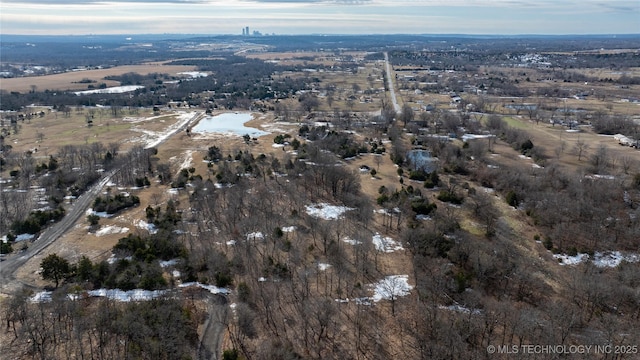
[{"x": 80, "y": 17}]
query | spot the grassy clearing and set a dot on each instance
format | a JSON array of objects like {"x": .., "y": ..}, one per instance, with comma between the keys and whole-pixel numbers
[{"x": 517, "y": 123}]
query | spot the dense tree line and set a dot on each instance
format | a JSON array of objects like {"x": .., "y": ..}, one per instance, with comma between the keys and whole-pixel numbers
[{"x": 82, "y": 327}]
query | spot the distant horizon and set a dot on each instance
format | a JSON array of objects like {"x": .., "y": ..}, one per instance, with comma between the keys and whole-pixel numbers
[
  {"x": 325, "y": 17},
  {"x": 523, "y": 35}
]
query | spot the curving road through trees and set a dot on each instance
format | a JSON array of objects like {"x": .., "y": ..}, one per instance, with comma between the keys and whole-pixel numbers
[{"x": 8, "y": 267}]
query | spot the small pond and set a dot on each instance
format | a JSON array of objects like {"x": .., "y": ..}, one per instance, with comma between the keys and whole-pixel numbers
[{"x": 228, "y": 123}]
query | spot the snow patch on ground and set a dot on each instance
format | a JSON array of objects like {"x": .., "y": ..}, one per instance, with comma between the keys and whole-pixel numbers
[
  {"x": 167, "y": 263},
  {"x": 111, "y": 229},
  {"x": 386, "y": 244},
  {"x": 289, "y": 229},
  {"x": 101, "y": 214},
  {"x": 141, "y": 224},
  {"x": 599, "y": 176},
  {"x": 391, "y": 287},
  {"x": 152, "y": 138},
  {"x": 131, "y": 295},
  {"x": 614, "y": 258},
  {"x": 255, "y": 236},
  {"x": 111, "y": 90},
  {"x": 126, "y": 296},
  {"x": 211, "y": 288},
  {"x": 323, "y": 266},
  {"x": 609, "y": 259},
  {"x": 460, "y": 309},
  {"x": 351, "y": 241},
  {"x": 326, "y": 211},
  {"x": 194, "y": 74},
  {"x": 188, "y": 158},
  {"x": 467, "y": 137}
]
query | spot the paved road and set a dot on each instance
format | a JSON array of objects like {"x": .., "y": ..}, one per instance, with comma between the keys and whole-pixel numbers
[
  {"x": 392, "y": 87},
  {"x": 51, "y": 234},
  {"x": 214, "y": 327},
  {"x": 8, "y": 267}
]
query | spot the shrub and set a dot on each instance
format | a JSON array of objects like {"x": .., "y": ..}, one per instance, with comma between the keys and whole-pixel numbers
[
  {"x": 5, "y": 247},
  {"x": 432, "y": 180},
  {"x": 382, "y": 199},
  {"x": 422, "y": 206},
  {"x": 526, "y": 146},
  {"x": 419, "y": 175},
  {"x": 230, "y": 354},
  {"x": 512, "y": 199},
  {"x": 450, "y": 197},
  {"x": 636, "y": 181},
  {"x": 223, "y": 279},
  {"x": 244, "y": 292},
  {"x": 93, "y": 219}
]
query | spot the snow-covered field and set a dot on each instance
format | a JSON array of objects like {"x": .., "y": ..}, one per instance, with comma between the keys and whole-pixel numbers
[{"x": 326, "y": 211}]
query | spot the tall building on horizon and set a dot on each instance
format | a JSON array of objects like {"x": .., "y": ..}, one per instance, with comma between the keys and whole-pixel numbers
[
  {"x": 247, "y": 31},
  {"x": 244, "y": 33}
]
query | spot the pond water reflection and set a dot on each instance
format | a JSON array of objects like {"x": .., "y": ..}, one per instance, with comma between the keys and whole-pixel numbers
[{"x": 228, "y": 123}]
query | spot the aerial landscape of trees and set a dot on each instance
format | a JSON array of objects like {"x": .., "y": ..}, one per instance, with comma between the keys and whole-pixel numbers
[{"x": 492, "y": 207}]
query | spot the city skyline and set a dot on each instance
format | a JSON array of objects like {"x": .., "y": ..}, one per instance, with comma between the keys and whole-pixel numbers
[{"x": 476, "y": 17}]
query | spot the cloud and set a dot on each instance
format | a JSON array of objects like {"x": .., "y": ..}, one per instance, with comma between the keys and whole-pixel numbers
[
  {"x": 621, "y": 6},
  {"x": 89, "y": 2},
  {"x": 347, "y": 2},
  {"x": 79, "y": 2}
]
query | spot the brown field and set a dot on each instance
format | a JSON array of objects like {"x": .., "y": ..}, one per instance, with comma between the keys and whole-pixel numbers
[{"x": 69, "y": 80}]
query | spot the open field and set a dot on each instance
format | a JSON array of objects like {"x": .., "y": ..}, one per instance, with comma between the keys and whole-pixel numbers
[{"x": 70, "y": 80}]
